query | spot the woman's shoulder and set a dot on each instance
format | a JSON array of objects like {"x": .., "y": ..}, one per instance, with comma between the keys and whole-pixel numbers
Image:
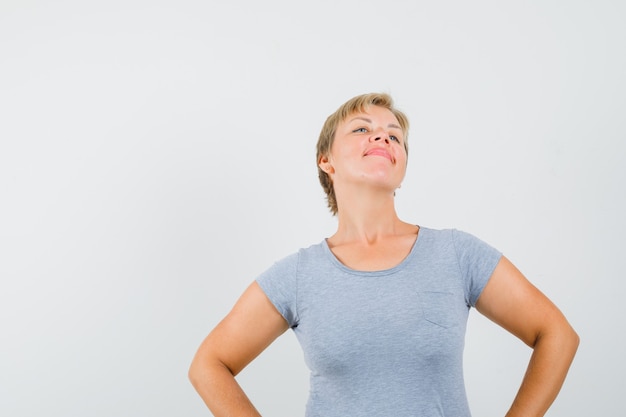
[
  {"x": 313, "y": 251},
  {"x": 436, "y": 234},
  {"x": 453, "y": 239},
  {"x": 449, "y": 233}
]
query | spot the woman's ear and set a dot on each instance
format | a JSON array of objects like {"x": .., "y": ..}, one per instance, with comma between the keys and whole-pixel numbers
[{"x": 325, "y": 165}]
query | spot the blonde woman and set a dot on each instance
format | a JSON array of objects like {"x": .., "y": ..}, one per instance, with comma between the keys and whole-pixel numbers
[{"x": 380, "y": 307}]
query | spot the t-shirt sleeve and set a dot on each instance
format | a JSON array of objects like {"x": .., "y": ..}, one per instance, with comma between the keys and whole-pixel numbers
[
  {"x": 477, "y": 261},
  {"x": 279, "y": 283}
]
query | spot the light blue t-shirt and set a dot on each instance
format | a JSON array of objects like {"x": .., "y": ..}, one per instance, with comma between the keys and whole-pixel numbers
[{"x": 384, "y": 343}]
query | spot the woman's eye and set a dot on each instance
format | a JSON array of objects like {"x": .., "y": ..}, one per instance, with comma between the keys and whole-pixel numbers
[
  {"x": 392, "y": 137},
  {"x": 360, "y": 130}
]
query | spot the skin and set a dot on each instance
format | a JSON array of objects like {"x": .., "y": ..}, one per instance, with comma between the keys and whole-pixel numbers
[
  {"x": 367, "y": 163},
  {"x": 511, "y": 301}
]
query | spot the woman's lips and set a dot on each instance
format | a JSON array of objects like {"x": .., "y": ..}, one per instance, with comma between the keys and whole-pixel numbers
[{"x": 379, "y": 152}]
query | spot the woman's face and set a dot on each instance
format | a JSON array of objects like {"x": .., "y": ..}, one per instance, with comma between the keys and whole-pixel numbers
[{"x": 368, "y": 148}]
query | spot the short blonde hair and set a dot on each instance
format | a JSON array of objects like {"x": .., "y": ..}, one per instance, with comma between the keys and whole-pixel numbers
[{"x": 356, "y": 104}]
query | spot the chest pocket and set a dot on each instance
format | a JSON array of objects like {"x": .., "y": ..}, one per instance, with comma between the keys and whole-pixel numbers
[{"x": 444, "y": 309}]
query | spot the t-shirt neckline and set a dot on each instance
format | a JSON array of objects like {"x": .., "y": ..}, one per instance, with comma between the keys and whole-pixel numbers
[{"x": 337, "y": 263}]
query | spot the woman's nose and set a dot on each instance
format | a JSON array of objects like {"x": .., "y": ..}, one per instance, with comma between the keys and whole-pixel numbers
[{"x": 379, "y": 135}]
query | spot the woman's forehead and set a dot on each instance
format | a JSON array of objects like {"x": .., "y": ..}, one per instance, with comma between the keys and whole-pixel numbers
[{"x": 372, "y": 114}]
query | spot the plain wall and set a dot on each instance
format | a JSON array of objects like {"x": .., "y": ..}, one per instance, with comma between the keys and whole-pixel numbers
[{"x": 156, "y": 156}]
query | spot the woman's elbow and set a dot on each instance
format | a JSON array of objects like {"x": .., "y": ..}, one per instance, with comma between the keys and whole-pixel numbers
[
  {"x": 559, "y": 335},
  {"x": 573, "y": 339},
  {"x": 206, "y": 368},
  {"x": 567, "y": 339},
  {"x": 195, "y": 371}
]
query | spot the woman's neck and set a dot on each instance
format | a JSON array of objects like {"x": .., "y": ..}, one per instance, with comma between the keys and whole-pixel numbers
[{"x": 367, "y": 216}]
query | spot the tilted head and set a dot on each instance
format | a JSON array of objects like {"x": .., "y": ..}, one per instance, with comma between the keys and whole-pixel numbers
[{"x": 356, "y": 104}]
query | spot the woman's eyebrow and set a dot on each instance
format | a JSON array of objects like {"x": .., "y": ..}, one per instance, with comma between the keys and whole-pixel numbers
[{"x": 365, "y": 119}]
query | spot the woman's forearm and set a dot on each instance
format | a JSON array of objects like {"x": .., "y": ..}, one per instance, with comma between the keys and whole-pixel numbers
[
  {"x": 552, "y": 356},
  {"x": 220, "y": 391}
]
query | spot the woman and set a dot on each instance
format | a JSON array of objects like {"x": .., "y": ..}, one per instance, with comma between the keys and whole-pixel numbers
[{"x": 380, "y": 307}]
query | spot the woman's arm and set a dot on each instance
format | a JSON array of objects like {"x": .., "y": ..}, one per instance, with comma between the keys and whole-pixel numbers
[
  {"x": 516, "y": 305},
  {"x": 251, "y": 326}
]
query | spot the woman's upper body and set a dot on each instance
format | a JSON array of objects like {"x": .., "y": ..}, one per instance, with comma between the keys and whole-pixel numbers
[
  {"x": 362, "y": 156},
  {"x": 386, "y": 342}
]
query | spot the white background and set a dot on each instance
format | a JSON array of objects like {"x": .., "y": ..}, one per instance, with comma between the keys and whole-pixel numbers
[{"x": 156, "y": 156}]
